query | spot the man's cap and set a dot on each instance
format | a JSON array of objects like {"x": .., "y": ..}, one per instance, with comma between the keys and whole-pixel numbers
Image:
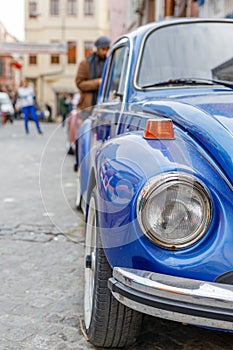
[{"x": 102, "y": 41}]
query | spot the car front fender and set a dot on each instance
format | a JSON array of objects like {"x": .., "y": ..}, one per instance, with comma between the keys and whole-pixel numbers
[{"x": 123, "y": 166}]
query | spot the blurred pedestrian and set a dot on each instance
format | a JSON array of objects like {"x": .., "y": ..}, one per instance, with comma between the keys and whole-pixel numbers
[
  {"x": 63, "y": 106},
  {"x": 88, "y": 80},
  {"x": 26, "y": 97},
  {"x": 16, "y": 103},
  {"x": 50, "y": 110},
  {"x": 69, "y": 103},
  {"x": 75, "y": 100},
  {"x": 88, "y": 77}
]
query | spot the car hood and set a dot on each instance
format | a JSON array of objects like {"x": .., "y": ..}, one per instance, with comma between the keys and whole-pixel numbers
[{"x": 207, "y": 117}]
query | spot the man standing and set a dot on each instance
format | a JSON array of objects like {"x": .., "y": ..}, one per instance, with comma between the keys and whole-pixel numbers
[
  {"x": 26, "y": 97},
  {"x": 88, "y": 78}
]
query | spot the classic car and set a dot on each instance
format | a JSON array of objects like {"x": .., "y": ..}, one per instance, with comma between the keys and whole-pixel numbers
[{"x": 155, "y": 181}]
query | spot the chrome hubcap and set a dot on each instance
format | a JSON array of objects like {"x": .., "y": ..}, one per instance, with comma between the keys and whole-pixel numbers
[
  {"x": 78, "y": 194},
  {"x": 90, "y": 258}
]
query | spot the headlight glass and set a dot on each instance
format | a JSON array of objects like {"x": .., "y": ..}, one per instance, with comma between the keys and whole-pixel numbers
[{"x": 174, "y": 211}]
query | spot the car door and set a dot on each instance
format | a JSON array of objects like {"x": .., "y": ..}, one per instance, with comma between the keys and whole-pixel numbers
[{"x": 113, "y": 95}]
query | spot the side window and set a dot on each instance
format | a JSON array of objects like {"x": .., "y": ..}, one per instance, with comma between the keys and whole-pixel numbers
[
  {"x": 117, "y": 74},
  {"x": 33, "y": 11}
]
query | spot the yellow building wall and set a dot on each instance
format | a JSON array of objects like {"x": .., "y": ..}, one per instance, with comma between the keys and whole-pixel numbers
[{"x": 50, "y": 78}]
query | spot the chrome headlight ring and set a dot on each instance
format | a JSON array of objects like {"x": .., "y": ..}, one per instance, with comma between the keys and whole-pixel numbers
[{"x": 174, "y": 210}]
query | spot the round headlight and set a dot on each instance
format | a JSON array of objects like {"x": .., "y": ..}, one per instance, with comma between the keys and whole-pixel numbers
[{"x": 174, "y": 210}]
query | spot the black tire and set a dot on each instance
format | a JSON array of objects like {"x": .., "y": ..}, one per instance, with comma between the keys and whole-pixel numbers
[{"x": 108, "y": 323}]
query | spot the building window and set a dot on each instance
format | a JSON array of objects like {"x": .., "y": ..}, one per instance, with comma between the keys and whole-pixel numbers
[
  {"x": 54, "y": 7},
  {"x": 32, "y": 59},
  {"x": 88, "y": 7},
  {"x": 71, "y": 55},
  {"x": 72, "y": 7},
  {"x": 33, "y": 10},
  {"x": 88, "y": 48},
  {"x": 54, "y": 59}
]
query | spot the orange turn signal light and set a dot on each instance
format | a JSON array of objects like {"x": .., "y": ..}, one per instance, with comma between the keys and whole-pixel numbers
[{"x": 159, "y": 129}]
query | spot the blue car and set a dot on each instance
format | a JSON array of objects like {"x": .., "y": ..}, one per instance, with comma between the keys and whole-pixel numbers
[{"x": 155, "y": 182}]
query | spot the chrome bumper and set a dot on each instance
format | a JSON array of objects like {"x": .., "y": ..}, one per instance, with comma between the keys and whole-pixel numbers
[{"x": 179, "y": 299}]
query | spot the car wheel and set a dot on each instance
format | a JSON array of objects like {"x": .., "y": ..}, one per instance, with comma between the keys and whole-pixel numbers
[
  {"x": 78, "y": 193},
  {"x": 108, "y": 323}
]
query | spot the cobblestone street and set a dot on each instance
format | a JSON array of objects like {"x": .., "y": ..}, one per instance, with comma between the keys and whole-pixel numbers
[{"x": 41, "y": 253}]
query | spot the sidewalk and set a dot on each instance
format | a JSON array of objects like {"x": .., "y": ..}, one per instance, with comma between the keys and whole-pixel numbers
[
  {"x": 39, "y": 182},
  {"x": 41, "y": 246}
]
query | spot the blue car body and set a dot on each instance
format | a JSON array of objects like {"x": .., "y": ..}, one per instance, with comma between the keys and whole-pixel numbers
[{"x": 120, "y": 162}]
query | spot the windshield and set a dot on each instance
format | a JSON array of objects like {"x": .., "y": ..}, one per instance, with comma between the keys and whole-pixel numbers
[{"x": 189, "y": 50}]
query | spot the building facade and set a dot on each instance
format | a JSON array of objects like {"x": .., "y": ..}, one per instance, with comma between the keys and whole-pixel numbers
[
  {"x": 139, "y": 12},
  {"x": 117, "y": 18},
  {"x": 73, "y": 23},
  {"x": 77, "y": 23},
  {"x": 10, "y": 64}
]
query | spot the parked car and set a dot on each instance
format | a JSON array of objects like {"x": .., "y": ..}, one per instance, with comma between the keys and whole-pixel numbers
[
  {"x": 155, "y": 182},
  {"x": 6, "y": 106}
]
